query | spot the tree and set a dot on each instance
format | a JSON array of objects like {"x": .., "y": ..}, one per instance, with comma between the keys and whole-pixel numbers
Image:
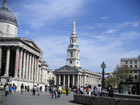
[
  {"x": 122, "y": 73},
  {"x": 111, "y": 80}
]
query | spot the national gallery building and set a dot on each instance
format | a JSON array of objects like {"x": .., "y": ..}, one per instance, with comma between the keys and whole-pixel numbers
[{"x": 20, "y": 59}]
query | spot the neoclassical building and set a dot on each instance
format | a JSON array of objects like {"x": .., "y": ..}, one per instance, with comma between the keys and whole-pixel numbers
[
  {"x": 20, "y": 58},
  {"x": 71, "y": 74}
]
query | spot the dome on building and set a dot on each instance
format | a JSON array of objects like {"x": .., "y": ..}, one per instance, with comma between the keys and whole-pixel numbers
[{"x": 7, "y": 16}]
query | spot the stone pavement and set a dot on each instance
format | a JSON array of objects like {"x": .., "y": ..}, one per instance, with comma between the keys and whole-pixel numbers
[{"x": 43, "y": 99}]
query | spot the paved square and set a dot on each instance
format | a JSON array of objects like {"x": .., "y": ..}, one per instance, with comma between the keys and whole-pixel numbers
[{"x": 43, "y": 99}]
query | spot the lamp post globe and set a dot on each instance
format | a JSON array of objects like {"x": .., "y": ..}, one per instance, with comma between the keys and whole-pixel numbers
[{"x": 103, "y": 66}]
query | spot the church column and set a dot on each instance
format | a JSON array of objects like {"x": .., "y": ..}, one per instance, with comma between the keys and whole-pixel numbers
[
  {"x": 24, "y": 64},
  {"x": 17, "y": 62},
  {"x": 73, "y": 84},
  {"x": 68, "y": 81},
  {"x": 77, "y": 80},
  {"x": 64, "y": 81},
  {"x": 0, "y": 58},
  {"x": 59, "y": 80},
  {"x": 20, "y": 68},
  {"x": 7, "y": 62}
]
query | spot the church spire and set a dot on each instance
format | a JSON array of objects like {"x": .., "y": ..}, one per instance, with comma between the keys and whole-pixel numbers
[
  {"x": 5, "y": 4},
  {"x": 74, "y": 27}
]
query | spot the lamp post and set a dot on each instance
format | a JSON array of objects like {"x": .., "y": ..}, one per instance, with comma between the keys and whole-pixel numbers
[{"x": 103, "y": 66}]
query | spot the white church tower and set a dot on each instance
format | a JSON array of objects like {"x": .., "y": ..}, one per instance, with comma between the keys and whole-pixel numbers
[{"x": 73, "y": 52}]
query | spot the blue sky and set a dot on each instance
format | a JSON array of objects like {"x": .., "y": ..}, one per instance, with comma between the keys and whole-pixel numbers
[{"x": 107, "y": 30}]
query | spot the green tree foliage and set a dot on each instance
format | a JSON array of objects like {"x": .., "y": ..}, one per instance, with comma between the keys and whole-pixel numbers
[
  {"x": 122, "y": 73},
  {"x": 110, "y": 80}
]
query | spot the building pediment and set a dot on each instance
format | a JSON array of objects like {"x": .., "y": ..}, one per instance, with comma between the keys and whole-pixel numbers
[
  {"x": 31, "y": 43},
  {"x": 66, "y": 69}
]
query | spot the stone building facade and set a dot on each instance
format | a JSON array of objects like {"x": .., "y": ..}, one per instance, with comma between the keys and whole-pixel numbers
[
  {"x": 20, "y": 59},
  {"x": 134, "y": 65},
  {"x": 71, "y": 74}
]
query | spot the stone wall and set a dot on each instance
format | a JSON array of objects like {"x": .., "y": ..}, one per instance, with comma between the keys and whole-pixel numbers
[{"x": 95, "y": 100}]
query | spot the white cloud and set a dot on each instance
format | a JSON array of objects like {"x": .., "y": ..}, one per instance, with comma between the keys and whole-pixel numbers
[
  {"x": 110, "y": 31},
  {"x": 48, "y": 11},
  {"x": 104, "y": 18}
]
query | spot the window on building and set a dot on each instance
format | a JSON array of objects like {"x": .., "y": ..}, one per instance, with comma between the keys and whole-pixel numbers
[
  {"x": 135, "y": 61},
  {"x": 135, "y": 66},
  {"x": 130, "y": 62},
  {"x": 71, "y": 54},
  {"x": 131, "y": 66},
  {"x": 135, "y": 71},
  {"x": 70, "y": 61},
  {"x": 126, "y": 62},
  {"x": 135, "y": 76}
]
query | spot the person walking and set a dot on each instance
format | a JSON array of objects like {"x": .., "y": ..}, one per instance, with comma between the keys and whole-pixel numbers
[
  {"x": 110, "y": 91},
  {"x": 99, "y": 90},
  {"x": 22, "y": 88},
  {"x": 34, "y": 90},
  {"x": 67, "y": 91},
  {"x": 6, "y": 89},
  {"x": 38, "y": 90}
]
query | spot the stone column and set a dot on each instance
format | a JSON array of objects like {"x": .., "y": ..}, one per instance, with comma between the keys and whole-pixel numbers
[
  {"x": 24, "y": 64},
  {"x": 7, "y": 62},
  {"x": 29, "y": 72},
  {"x": 27, "y": 64},
  {"x": 59, "y": 80},
  {"x": 68, "y": 81},
  {"x": 0, "y": 58},
  {"x": 20, "y": 68},
  {"x": 64, "y": 81},
  {"x": 73, "y": 80},
  {"x": 16, "y": 63},
  {"x": 33, "y": 67},
  {"x": 77, "y": 80}
]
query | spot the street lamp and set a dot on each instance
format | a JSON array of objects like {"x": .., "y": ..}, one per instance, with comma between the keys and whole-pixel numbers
[{"x": 103, "y": 66}]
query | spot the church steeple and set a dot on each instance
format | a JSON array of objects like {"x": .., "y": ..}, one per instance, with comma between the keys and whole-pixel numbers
[
  {"x": 73, "y": 52},
  {"x": 74, "y": 27},
  {"x": 5, "y": 4}
]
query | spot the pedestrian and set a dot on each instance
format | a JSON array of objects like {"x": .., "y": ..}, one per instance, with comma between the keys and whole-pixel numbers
[
  {"x": 59, "y": 91},
  {"x": 22, "y": 88},
  {"x": 110, "y": 91},
  {"x": 67, "y": 91},
  {"x": 34, "y": 90},
  {"x": 14, "y": 88},
  {"x": 89, "y": 90},
  {"x": 99, "y": 90},
  {"x": 38, "y": 89},
  {"x": 10, "y": 88},
  {"x": 28, "y": 88},
  {"x": 6, "y": 89},
  {"x": 41, "y": 89}
]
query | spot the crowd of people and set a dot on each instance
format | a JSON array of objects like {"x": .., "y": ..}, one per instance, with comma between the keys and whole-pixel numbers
[
  {"x": 96, "y": 90},
  {"x": 56, "y": 91}
]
